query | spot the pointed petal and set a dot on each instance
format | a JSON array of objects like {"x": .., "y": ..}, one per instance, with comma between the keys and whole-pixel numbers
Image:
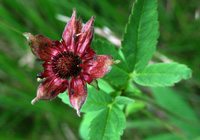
[
  {"x": 87, "y": 78},
  {"x": 71, "y": 28},
  {"x": 78, "y": 94},
  {"x": 85, "y": 39},
  {"x": 59, "y": 45},
  {"x": 48, "y": 89},
  {"x": 101, "y": 65},
  {"x": 41, "y": 46},
  {"x": 79, "y": 24},
  {"x": 88, "y": 54}
]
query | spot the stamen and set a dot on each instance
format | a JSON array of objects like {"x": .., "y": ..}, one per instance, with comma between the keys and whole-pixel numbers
[
  {"x": 52, "y": 92},
  {"x": 79, "y": 34},
  {"x": 66, "y": 65},
  {"x": 72, "y": 92},
  {"x": 95, "y": 58},
  {"x": 39, "y": 74},
  {"x": 37, "y": 59},
  {"x": 45, "y": 44},
  {"x": 84, "y": 88},
  {"x": 74, "y": 35},
  {"x": 54, "y": 44}
]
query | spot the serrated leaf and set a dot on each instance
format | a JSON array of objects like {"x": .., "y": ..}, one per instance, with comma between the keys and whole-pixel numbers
[
  {"x": 108, "y": 125},
  {"x": 162, "y": 74},
  {"x": 96, "y": 100},
  {"x": 105, "y": 48},
  {"x": 85, "y": 123},
  {"x": 141, "y": 34},
  {"x": 117, "y": 76},
  {"x": 123, "y": 100}
]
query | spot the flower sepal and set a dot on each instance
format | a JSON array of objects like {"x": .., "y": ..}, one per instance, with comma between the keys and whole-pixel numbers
[
  {"x": 41, "y": 46},
  {"x": 94, "y": 83},
  {"x": 69, "y": 63},
  {"x": 101, "y": 65},
  {"x": 77, "y": 94},
  {"x": 49, "y": 89}
]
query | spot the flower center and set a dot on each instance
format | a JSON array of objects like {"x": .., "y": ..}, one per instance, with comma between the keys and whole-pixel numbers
[{"x": 66, "y": 65}]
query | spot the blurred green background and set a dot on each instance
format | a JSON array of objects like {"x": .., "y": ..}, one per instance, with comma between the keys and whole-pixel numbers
[{"x": 179, "y": 41}]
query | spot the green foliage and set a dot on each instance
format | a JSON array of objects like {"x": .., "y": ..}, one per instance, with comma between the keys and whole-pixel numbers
[
  {"x": 172, "y": 101},
  {"x": 96, "y": 100},
  {"x": 123, "y": 100},
  {"x": 119, "y": 74},
  {"x": 162, "y": 74},
  {"x": 141, "y": 34},
  {"x": 134, "y": 107},
  {"x": 84, "y": 126},
  {"x": 169, "y": 115},
  {"x": 109, "y": 124}
]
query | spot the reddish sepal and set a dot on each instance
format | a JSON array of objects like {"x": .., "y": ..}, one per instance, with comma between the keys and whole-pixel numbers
[
  {"x": 78, "y": 94},
  {"x": 101, "y": 65}
]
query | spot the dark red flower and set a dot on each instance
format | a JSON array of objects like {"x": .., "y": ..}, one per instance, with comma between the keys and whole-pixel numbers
[{"x": 69, "y": 64}]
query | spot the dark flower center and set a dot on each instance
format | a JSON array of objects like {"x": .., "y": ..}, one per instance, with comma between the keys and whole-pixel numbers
[{"x": 66, "y": 65}]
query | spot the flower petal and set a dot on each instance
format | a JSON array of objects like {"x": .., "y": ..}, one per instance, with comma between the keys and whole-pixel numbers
[
  {"x": 101, "y": 65},
  {"x": 78, "y": 94},
  {"x": 87, "y": 77},
  {"x": 72, "y": 28},
  {"x": 85, "y": 39},
  {"x": 41, "y": 46},
  {"x": 49, "y": 89}
]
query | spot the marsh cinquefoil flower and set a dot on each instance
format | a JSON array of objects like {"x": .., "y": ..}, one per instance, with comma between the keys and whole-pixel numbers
[{"x": 69, "y": 64}]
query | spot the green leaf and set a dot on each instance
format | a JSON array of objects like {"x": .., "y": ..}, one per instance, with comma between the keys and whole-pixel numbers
[
  {"x": 64, "y": 97},
  {"x": 105, "y": 48},
  {"x": 108, "y": 125},
  {"x": 118, "y": 75},
  {"x": 134, "y": 107},
  {"x": 103, "y": 85},
  {"x": 172, "y": 101},
  {"x": 85, "y": 123},
  {"x": 162, "y": 74},
  {"x": 141, "y": 34},
  {"x": 131, "y": 89},
  {"x": 123, "y": 100},
  {"x": 96, "y": 100}
]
